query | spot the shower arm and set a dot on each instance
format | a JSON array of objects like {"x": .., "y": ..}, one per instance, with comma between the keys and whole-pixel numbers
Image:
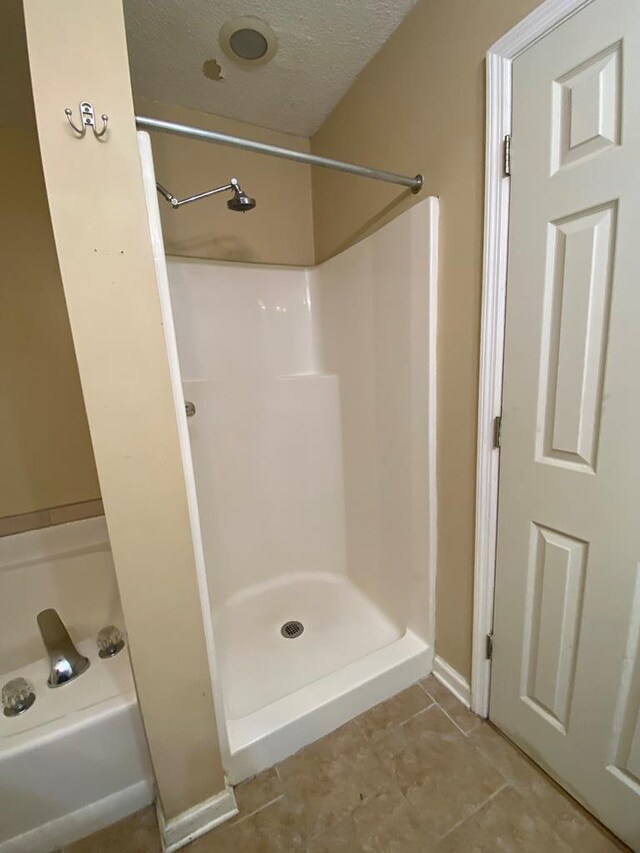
[{"x": 178, "y": 202}]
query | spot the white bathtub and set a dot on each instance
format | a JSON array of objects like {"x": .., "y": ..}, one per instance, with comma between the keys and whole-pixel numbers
[{"x": 77, "y": 760}]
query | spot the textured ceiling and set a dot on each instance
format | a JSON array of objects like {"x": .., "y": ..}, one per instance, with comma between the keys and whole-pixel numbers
[{"x": 323, "y": 45}]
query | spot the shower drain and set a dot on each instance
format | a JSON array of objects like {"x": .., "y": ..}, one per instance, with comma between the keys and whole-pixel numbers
[{"x": 291, "y": 630}]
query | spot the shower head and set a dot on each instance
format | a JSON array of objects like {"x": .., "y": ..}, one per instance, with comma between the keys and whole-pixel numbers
[{"x": 240, "y": 201}]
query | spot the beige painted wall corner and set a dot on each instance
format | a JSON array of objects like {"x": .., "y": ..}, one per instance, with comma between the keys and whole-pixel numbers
[{"x": 46, "y": 458}]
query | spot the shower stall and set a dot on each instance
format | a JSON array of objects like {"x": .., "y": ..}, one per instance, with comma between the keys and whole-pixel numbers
[{"x": 305, "y": 402}]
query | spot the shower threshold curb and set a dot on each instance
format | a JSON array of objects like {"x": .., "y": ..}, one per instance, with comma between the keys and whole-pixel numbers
[{"x": 271, "y": 734}]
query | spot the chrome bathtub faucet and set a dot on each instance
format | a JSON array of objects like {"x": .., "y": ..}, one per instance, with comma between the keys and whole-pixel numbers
[{"x": 65, "y": 660}]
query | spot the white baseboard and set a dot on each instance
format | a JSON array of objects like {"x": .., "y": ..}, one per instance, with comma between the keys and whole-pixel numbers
[
  {"x": 452, "y": 680},
  {"x": 193, "y": 823},
  {"x": 85, "y": 821}
]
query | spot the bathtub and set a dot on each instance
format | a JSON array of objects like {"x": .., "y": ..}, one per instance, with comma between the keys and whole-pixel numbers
[{"x": 77, "y": 760}]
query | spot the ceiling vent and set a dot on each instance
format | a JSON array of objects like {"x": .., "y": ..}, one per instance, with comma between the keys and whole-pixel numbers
[{"x": 248, "y": 41}]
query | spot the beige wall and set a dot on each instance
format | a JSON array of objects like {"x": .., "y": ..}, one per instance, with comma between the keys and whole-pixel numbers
[
  {"x": 77, "y": 49},
  {"x": 46, "y": 458},
  {"x": 419, "y": 107},
  {"x": 280, "y": 228}
]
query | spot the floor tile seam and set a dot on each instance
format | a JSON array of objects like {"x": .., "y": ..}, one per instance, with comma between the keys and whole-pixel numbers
[
  {"x": 460, "y": 729},
  {"x": 394, "y": 726},
  {"x": 435, "y": 701},
  {"x": 417, "y": 714},
  {"x": 253, "y": 813},
  {"x": 450, "y": 696},
  {"x": 422, "y": 687},
  {"x": 448, "y": 692},
  {"x": 407, "y": 745},
  {"x": 523, "y": 789},
  {"x": 492, "y": 797},
  {"x": 436, "y": 735},
  {"x": 527, "y": 760},
  {"x": 419, "y": 684},
  {"x": 475, "y": 811},
  {"x": 513, "y": 787},
  {"x": 509, "y": 779}
]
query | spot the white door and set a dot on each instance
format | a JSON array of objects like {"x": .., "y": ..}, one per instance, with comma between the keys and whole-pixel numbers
[{"x": 566, "y": 667}]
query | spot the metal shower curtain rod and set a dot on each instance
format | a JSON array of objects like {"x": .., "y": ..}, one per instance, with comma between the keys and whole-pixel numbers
[{"x": 145, "y": 123}]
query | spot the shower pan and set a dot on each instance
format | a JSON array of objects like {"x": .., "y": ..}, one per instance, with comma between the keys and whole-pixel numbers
[{"x": 309, "y": 461}]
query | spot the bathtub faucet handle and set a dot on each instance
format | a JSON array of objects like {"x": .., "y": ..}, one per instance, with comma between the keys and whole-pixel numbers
[
  {"x": 109, "y": 641},
  {"x": 18, "y": 696}
]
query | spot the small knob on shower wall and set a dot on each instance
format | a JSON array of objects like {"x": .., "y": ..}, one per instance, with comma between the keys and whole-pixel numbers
[
  {"x": 18, "y": 695},
  {"x": 190, "y": 408},
  {"x": 110, "y": 641}
]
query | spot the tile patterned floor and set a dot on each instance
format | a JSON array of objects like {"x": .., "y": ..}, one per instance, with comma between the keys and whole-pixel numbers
[{"x": 415, "y": 774}]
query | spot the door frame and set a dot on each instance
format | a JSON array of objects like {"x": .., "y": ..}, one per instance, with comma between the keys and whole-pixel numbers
[{"x": 499, "y": 62}]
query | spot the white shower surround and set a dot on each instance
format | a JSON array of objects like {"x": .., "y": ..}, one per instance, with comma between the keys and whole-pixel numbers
[{"x": 313, "y": 449}]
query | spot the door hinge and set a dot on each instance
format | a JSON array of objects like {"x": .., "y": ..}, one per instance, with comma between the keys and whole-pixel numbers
[
  {"x": 506, "y": 165},
  {"x": 489, "y": 646},
  {"x": 497, "y": 430}
]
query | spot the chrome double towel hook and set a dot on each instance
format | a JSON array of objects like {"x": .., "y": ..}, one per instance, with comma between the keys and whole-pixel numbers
[{"x": 87, "y": 119}]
